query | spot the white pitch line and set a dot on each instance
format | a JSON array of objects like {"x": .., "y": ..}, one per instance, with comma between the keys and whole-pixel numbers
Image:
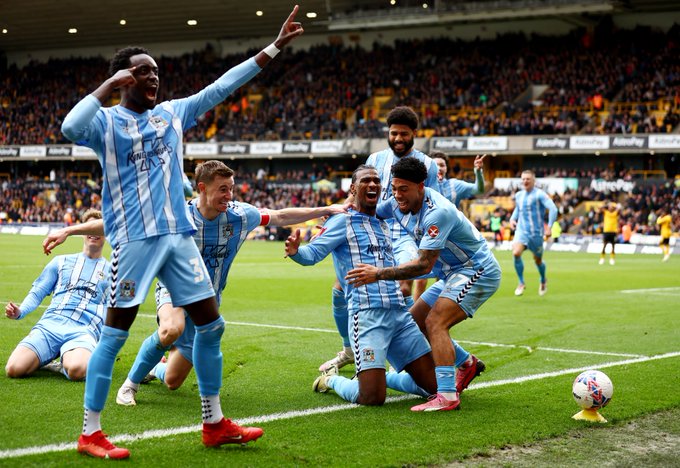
[
  {"x": 649, "y": 290},
  {"x": 478, "y": 343},
  {"x": 159, "y": 433},
  {"x": 531, "y": 349}
]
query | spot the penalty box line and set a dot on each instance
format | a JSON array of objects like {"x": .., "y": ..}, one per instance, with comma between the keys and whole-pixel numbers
[{"x": 158, "y": 433}]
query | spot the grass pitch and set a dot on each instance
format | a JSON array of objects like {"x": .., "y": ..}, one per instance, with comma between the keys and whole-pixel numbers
[{"x": 622, "y": 319}]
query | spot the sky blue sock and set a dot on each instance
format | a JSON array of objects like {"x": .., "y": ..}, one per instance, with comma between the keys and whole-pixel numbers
[
  {"x": 148, "y": 356},
  {"x": 409, "y": 301},
  {"x": 344, "y": 387},
  {"x": 446, "y": 379},
  {"x": 461, "y": 354},
  {"x": 403, "y": 382},
  {"x": 541, "y": 271},
  {"x": 100, "y": 367},
  {"x": 340, "y": 315},
  {"x": 159, "y": 371},
  {"x": 207, "y": 357},
  {"x": 519, "y": 268}
]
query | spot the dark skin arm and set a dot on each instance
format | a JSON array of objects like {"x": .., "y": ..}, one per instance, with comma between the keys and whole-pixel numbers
[{"x": 365, "y": 274}]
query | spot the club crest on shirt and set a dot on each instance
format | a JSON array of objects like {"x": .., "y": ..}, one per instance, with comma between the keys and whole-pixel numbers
[
  {"x": 368, "y": 355},
  {"x": 127, "y": 289},
  {"x": 158, "y": 122},
  {"x": 433, "y": 231},
  {"x": 228, "y": 231},
  {"x": 100, "y": 275}
]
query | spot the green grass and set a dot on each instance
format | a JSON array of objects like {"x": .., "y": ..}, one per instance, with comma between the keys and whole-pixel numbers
[{"x": 269, "y": 371}]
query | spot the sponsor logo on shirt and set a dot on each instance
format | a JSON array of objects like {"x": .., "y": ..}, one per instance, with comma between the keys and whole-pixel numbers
[
  {"x": 153, "y": 155},
  {"x": 83, "y": 289},
  {"x": 213, "y": 253},
  {"x": 433, "y": 231}
]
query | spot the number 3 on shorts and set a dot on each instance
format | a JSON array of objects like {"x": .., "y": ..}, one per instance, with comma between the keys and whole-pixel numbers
[{"x": 199, "y": 269}]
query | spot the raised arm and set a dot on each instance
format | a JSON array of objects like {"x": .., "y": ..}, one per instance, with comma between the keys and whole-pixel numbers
[
  {"x": 479, "y": 173},
  {"x": 289, "y": 31},
  {"x": 77, "y": 122}
]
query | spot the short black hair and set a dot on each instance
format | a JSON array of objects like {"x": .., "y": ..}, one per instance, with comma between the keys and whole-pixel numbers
[
  {"x": 438, "y": 154},
  {"x": 121, "y": 61},
  {"x": 403, "y": 115},
  {"x": 411, "y": 169},
  {"x": 362, "y": 167}
]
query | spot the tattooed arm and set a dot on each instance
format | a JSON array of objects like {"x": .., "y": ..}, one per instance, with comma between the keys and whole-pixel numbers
[{"x": 365, "y": 274}]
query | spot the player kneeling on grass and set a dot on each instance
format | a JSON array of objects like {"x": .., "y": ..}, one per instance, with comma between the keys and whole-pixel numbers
[
  {"x": 450, "y": 246},
  {"x": 70, "y": 327},
  {"x": 380, "y": 325}
]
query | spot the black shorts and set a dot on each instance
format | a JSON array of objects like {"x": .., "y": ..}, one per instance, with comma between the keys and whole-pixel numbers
[
  {"x": 665, "y": 241},
  {"x": 609, "y": 237}
]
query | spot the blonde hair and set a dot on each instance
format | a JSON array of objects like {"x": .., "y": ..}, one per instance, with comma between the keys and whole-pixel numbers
[{"x": 91, "y": 214}]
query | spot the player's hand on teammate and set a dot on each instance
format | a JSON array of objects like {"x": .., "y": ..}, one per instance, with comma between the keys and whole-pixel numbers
[
  {"x": 362, "y": 274},
  {"x": 337, "y": 208},
  {"x": 12, "y": 311},
  {"x": 479, "y": 161},
  {"x": 292, "y": 243},
  {"x": 54, "y": 239},
  {"x": 290, "y": 29}
]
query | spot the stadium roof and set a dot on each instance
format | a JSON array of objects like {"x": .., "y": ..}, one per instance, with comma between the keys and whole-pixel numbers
[{"x": 44, "y": 24}]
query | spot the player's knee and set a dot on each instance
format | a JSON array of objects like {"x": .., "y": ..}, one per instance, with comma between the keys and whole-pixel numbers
[
  {"x": 432, "y": 323},
  {"x": 168, "y": 334},
  {"x": 77, "y": 371},
  {"x": 13, "y": 371},
  {"x": 172, "y": 382},
  {"x": 371, "y": 399}
]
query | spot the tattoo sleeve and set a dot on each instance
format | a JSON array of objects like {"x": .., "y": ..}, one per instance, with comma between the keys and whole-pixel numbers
[{"x": 420, "y": 266}]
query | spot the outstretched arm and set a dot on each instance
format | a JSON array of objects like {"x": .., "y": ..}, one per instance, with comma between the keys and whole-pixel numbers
[
  {"x": 288, "y": 216},
  {"x": 41, "y": 288},
  {"x": 94, "y": 227},
  {"x": 365, "y": 274}
]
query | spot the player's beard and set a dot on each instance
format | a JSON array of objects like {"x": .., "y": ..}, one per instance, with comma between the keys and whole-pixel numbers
[{"x": 408, "y": 145}]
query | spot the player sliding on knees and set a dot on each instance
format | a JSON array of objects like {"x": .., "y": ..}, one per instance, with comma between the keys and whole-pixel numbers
[
  {"x": 223, "y": 225},
  {"x": 450, "y": 246},
  {"x": 380, "y": 325}
]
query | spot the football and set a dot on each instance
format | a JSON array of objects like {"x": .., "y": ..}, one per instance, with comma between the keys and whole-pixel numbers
[{"x": 592, "y": 389}]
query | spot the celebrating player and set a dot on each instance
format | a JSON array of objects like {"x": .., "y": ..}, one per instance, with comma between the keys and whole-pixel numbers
[
  {"x": 531, "y": 230},
  {"x": 402, "y": 123},
  {"x": 70, "y": 327},
  {"x": 139, "y": 146},
  {"x": 451, "y": 246},
  {"x": 382, "y": 326}
]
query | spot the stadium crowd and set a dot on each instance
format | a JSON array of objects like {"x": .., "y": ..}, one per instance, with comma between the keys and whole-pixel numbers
[
  {"x": 59, "y": 198},
  {"x": 610, "y": 81}
]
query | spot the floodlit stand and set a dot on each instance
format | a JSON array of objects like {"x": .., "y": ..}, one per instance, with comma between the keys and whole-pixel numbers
[{"x": 589, "y": 414}]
